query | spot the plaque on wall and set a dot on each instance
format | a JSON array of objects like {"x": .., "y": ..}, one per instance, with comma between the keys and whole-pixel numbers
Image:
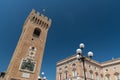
[
  {"x": 25, "y": 75},
  {"x": 27, "y": 65}
]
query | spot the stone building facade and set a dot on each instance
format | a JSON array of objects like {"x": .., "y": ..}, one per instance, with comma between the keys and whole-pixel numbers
[{"x": 72, "y": 69}]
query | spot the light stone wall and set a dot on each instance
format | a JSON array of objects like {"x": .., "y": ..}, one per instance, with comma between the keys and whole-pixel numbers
[{"x": 94, "y": 70}]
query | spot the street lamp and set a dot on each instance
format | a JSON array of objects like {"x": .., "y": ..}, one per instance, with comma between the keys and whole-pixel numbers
[
  {"x": 80, "y": 56},
  {"x": 42, "y": 76}
]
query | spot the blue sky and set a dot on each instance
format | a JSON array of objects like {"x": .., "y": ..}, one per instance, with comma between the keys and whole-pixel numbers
[{"x": 96, "y": 23}]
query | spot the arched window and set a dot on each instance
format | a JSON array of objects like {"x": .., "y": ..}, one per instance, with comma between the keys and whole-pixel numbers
[
  {"x": 40, "y": 22},
  {"x": 36, "y": 32},
  {"x": 101, "y": 77},
  {"x": 74, "y": 72},
  {"x": 35, "y": 19},
  {"x": 97, "y": 77},
  {"x": 66, "y": 72},
  {"x": 108, "y": 77},
  {"x": 60, "y": 76},
  {"x": 47, "y": 26},
  {"x": 91, "y": 74},
  {"x": 117, "y": 76},
  {"x": 60, "y": 73}
]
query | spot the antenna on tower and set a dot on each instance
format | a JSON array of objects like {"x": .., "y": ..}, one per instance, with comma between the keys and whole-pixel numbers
[
  {"x": 113, "y": 58},
  {"x": 43, "y": 11}
]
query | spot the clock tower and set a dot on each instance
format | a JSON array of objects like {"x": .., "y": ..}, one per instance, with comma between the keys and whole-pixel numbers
[{"x": 27, "y": 58}]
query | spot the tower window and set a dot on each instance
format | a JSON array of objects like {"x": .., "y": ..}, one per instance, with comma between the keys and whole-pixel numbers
[
  {"x": 36, "y": 32},
  {"x": 33, "y": 18},
  {"x": 40, "y": 22}
]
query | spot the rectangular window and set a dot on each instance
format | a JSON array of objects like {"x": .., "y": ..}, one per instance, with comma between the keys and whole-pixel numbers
[
  {"x": 108, "y": 78},
  {"x": 97, "y": 78},
  {"x": 66, "y": 73},
  {"x": 74, "y": 73},
  {"x": 117, "y": 77},
  {"x": 101, "y": 78},
  {"x": 36, "y": 32},
  {"x": 91, "y": 75},
  {"x": 60, "y": 76}
]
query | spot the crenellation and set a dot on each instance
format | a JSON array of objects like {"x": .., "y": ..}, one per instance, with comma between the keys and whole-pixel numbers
[
  {"x": 50, "y": 21},
  {"x": 33, "y": 11},
  {"x": 46, "y": 18},
  {"x": 38, "y": 13},
  {"x": 42, "y": 15},
  {"x": 39, "y": 19}
]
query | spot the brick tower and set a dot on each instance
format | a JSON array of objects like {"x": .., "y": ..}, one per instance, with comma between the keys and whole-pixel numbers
[{"x": 27, "y": 58}]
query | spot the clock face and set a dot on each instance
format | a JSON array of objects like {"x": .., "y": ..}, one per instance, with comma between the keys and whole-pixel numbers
[{"x": 28, "y": 65}]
